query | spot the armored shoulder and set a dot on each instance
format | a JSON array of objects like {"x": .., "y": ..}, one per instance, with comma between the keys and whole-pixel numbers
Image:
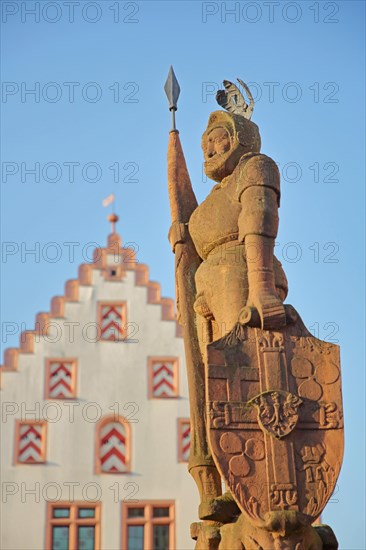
[{"x": 257, "y": 170}]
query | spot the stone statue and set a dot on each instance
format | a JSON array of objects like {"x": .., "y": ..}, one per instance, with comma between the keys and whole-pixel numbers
[{"x": 265, "y": 395}]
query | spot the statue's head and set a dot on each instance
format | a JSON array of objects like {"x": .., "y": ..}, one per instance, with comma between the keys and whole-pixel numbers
[
  {"x": 226, "y": 139},
  {"x": 229, "y": 135}
]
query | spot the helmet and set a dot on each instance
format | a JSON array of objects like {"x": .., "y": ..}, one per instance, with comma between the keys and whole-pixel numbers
[{"x": 244, "y": 138}]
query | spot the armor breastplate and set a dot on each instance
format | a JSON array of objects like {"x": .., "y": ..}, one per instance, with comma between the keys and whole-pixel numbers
[{"x": 215, "y": 220}]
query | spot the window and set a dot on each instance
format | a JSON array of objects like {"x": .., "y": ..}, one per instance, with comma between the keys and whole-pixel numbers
[
  {"x": 60, "y": 379},
  {"x": 163, "y": 377},
  {"x": 113, "y": 443},
  {"x": 112, "y": 321},
  {"x": 114, "y": 269},
  {"x": 73, "y": 526},
  {"x": 184, "y": 439},
  {"x": 30, "y": 442},
  {"x": 148, "y": 525}
]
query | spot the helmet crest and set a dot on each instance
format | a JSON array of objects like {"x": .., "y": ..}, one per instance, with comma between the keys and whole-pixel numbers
[{"x": 233, "y": 100}]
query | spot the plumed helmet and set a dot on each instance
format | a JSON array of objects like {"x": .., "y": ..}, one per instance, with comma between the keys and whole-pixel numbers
[{"x": 244, "y": 134}]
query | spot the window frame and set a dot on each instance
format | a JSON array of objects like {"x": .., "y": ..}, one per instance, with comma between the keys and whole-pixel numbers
[
  {"x": 102, "y": 422},
  {"x": 73, "y": 522},
  {"x": 148, "y": 521},
  {"x": 181, "y": 422},
  {"x": 18, "y": 424},
  {"x": 49, "y": 361},
  {"x": 118, "y": 303},
  {"x": 162, "y": 359}
]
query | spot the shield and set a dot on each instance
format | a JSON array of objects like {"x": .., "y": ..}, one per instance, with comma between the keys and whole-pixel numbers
[{"x": 274, "y": 419}]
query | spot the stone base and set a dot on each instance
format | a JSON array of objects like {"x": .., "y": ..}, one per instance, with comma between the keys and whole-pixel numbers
[
  {"x": 242, "y": 535},
  {"x": 207, "y": 535}
]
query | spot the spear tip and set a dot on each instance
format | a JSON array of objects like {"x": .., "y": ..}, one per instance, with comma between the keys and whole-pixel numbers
[{"x": 172, "y": 89}]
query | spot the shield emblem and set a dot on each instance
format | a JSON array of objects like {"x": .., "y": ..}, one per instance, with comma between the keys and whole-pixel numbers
[{"x": 274, "y": 419}]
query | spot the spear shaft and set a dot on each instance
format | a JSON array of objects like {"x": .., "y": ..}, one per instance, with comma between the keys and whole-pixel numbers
[{"x": 182, "y": 203}]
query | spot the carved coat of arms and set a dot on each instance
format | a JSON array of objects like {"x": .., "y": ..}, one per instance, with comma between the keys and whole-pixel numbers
[{"x": 274, "y": 414}]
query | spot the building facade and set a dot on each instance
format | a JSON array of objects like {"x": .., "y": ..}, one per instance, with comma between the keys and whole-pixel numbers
[{"x": 95, "y": 418}]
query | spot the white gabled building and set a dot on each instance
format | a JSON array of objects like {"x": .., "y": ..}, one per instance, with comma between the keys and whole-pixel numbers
[{"x": 95, "y": 429}]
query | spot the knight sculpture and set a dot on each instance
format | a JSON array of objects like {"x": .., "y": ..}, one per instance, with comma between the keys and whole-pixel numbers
[{"x": 265, "y": 395}]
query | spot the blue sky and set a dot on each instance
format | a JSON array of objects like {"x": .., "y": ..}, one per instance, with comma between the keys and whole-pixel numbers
[{"x": 99, "y": 103}]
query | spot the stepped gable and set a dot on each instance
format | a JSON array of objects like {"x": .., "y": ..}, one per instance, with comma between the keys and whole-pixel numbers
[{"x": 116, "y": 271}]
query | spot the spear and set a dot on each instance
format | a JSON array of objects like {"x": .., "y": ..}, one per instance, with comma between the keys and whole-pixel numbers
[{"x": 182, "y": 203}]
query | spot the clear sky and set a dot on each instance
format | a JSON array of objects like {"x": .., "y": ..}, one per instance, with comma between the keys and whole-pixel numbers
[{"x": 97, "y": 122}]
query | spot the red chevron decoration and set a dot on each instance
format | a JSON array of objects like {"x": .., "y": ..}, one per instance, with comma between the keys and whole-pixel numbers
[
  {"x": 112, "y": 321},
  {"x": 30, "y": 442},
  {"x": 113, "y": 443},
  {"x": 163, "y": 377},
  {"x": 184, "y": 439},
  {"x": 61, "y": 379}
]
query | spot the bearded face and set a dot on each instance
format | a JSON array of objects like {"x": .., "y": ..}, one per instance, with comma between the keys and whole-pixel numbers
[
  {"x": 226, "y": 139},
  {"x": 221, "y": 154},
  {"x": 218, "y": 143}
]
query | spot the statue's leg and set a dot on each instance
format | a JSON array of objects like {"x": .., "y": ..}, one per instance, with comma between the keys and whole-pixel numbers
[
  {"x": 213, "y": 506},
  {"x": 201, "y": 464},
  {"x": 211, "y": 284}
]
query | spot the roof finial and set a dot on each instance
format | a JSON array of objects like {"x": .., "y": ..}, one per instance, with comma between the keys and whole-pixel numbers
[{"x": 113, "y": 218}]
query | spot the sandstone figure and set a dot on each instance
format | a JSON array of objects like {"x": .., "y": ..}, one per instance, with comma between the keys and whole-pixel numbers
[{"x": 265, "y": 395}]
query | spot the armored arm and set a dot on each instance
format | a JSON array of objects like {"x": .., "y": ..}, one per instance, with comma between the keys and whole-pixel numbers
[{"x": 259, "y": 194}]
